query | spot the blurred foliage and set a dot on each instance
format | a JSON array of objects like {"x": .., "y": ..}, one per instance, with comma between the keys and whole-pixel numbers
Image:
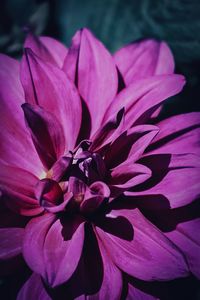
[{"x": 116, "y": 23}]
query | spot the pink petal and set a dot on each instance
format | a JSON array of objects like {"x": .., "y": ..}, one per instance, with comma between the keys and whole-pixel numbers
[
  {"x": 141, "y": 98},
  {"x": 33, "y": 289},
  {"x": 48, "y": 86},
  {"x": 57, "y": 49},
  {"x": 47, "y": 134},
  {"x": 108, "y": 132},
  {"x": 55, "y": 267},
  {"x": 178, "y": 134},
  {"x": 180, "y": 184},
  {"x": 33, "y": 251},
  {"x": 15, "y": 139},
  {"x": 17, "y": 186},
  {"x": 70, "y": 62},
  {"x": 186, "y": 236},
  {"x": 134, "y": 293},
  {"x": 128, "y": 175},
  {"x": 94, "y": 197},
  {"x": 11, "y": 242},
  {"x": 130, "y": 145},
  {"x": 149, "y": 255},
  {"x": 96, "y": 72},
  {"x": 48, "y": 49},
  {"x": 111, "y": 286},
  {"x": 144, "y": 59}
]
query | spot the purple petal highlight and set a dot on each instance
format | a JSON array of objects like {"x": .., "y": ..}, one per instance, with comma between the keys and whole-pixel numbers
[{"x": 144, "y": 59}]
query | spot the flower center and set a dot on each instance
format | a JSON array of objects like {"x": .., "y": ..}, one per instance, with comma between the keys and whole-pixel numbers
[{"x": 75, "y": 182}]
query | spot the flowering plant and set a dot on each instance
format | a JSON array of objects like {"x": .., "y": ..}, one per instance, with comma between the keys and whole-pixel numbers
[{"x": 95, "y": 192}]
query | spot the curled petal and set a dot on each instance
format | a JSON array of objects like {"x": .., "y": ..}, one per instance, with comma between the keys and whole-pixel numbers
[{"x": 94, "y": 197}]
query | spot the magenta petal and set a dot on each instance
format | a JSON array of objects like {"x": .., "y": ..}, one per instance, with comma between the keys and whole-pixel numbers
[
  {"x": 34, "y": 43},
  {"x": 130, "y": 145},
  {"x": 48, "y": 86},
  {"x": 111, "y": 286},
  {"x": 17, "y": 186},
  {"x": 178, "y": 134},
  {"x": 149, "y": 255},
  {"x": 108, "y": 132},
  {"x": 33, "y": 251},
  {"x": 47, "y": 48},
  {"x": 55, "y": 267},
  {"x": 48, "y": 192},
  {"x": 142, "y": 98},
  {"x": 180, "y": 185},
  {"x": 186, "y": 236},
  {"x": 144, "y": 59},
  {"x": 134, "y": 293},
  {"x": 94, "y": 197},
  {"x": 71, "y": 60},
  {"x": 96, "y": 72},
  {"x": 33, "y": 289},
  {"x": 57, "y": 49},
  {"x": 128, "y": 175},
  {"x": 61, "y": 264},
  {"x": 11, "y": 242},
  {"x": 46, "y": 132},
  {"x": 15, "y": 139}
]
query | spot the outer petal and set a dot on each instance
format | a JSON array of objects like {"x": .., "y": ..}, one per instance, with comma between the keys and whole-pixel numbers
[
  {"x": 48, "y": 86},
  {"x": 71, "y": 60},
  {"x": 15, "y": 139},
  {"x": 111, "y": 287},
  {"x": 56, "y": 267},
  {"x": 179, "y": 182},
  {"x": 17, "y": 186},
  {"x": 96, "y": 75},
  {"x": 57, "y": 49},
  {"x": 149, "y": 255},
  {"x": 11, "y": 242},
  {"x": 47, "y": 134},
  {"x": 144, "y": 59},
  {"x": 178, "y": 134},
  {"x": 48, "y": 49},
  {"x": 143, "y": 97},
  {"x": 134, "y": 293},
  {"x": 187, "y": 237},
  {"x": 33, "y": 289}
]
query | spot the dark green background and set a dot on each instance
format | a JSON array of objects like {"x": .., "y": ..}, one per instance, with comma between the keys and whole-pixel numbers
[{"x": 116, "y": 23}]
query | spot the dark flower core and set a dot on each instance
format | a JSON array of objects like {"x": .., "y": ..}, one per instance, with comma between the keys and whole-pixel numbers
[{"x": 75, "y": 183}]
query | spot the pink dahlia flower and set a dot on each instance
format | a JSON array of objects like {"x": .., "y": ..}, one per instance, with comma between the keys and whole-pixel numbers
[{"x": 97, "y": 197}]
